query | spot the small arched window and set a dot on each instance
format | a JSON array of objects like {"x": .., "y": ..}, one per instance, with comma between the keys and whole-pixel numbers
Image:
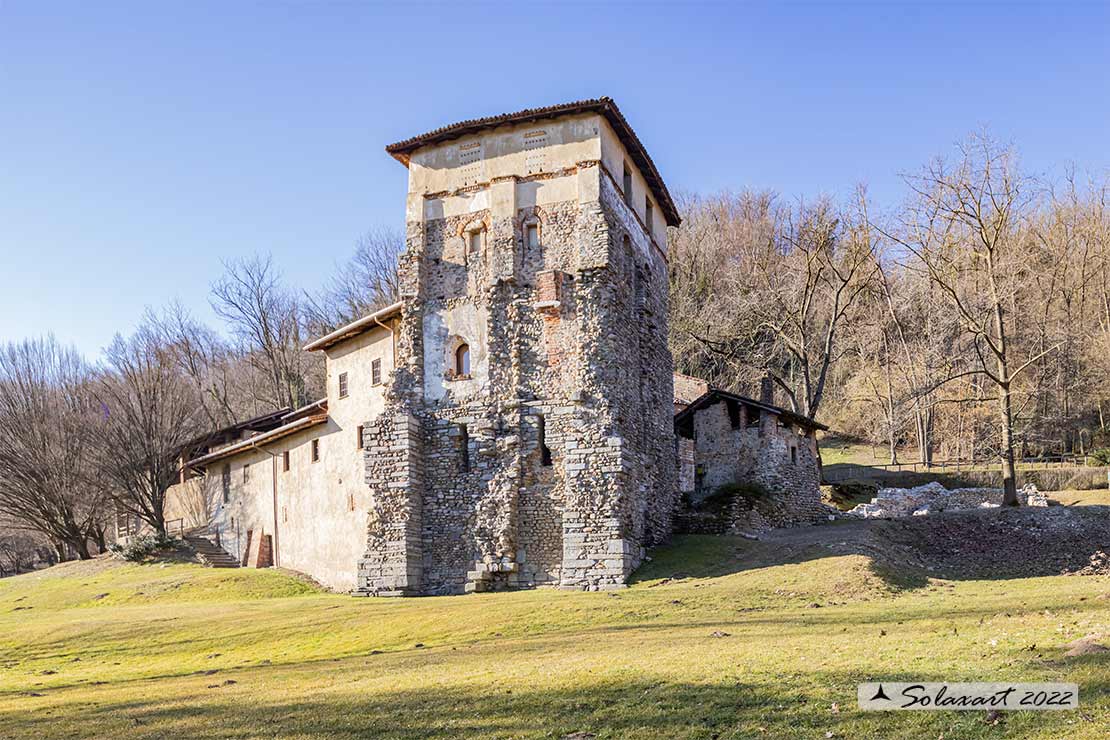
[{"x": 462, "y": 360}]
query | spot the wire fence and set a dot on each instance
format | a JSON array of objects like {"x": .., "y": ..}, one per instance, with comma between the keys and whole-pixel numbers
[{"x": 837, "y": 472}]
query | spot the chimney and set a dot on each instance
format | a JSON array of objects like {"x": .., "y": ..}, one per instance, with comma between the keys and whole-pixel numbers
[{"x": 767, "y": 390}]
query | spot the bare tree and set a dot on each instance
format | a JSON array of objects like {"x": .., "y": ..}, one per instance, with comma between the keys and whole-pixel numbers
[
  {"x": 966, "y": 230},
  {"x": 366, "y": 282},
  {"x": 151, "y": 410},
  {"x": 203, "y": 357},
  {"x": 267, "y": 321},
  {"x": 48, "y": 483},
  {"x": 766, "y": 289}
]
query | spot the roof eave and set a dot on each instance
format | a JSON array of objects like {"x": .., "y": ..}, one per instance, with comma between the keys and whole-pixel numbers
[
  {"x": 250, "y": 443},
  {"x": 402, "y": 150},
  {"x": 353, "y": 329}
]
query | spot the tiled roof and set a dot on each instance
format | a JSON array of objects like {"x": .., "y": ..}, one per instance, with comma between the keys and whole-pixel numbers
[{"x": 402, "y": 150}]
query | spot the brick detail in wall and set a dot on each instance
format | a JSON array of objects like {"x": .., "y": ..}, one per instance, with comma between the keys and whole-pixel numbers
[{"x": 570, "y": 353}]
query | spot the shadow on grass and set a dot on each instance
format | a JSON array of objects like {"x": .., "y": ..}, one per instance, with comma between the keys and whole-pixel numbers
[
  {"x": 721, "y": 707},
  {"x": 713, "y": 556},
  {"x": 907, "y": 553}
]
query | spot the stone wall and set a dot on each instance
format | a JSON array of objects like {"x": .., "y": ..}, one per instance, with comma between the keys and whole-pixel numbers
[
  {"x": 746, "y": 445},
  {"x": 552, "y": 462}
]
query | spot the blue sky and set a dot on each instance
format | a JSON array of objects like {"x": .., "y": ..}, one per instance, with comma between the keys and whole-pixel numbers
[{"x": 141, "y": 143}]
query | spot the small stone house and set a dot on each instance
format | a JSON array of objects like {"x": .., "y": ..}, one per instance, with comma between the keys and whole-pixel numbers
[{"x": 743, "y": 464}]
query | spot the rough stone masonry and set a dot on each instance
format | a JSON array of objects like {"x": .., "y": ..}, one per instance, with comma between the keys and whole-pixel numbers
[{"x": 527, "y": 437}]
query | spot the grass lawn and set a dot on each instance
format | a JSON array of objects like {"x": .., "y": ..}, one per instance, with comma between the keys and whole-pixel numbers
[{"x": 109, "y": 650}]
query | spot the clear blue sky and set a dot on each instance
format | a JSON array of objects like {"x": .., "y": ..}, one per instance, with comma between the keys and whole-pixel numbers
[{"x": 141, "y": 143}]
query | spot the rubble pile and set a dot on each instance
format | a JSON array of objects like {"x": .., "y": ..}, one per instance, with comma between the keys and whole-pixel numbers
[{"x": 933, "y": 497}]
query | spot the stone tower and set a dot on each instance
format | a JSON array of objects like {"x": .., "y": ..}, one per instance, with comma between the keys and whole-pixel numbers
[{"x": 528, "y": 436}]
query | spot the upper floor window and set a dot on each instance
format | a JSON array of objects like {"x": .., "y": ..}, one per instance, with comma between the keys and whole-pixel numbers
[
  {"x": 627, "y": 185},
  {"x": 476, "y": 241},
  {"x": 285, "y": 461},
  {"x": 462, "y": 360},
  {"x": 376, "y": 372},
  {"x": 225, "y": 483},
  {"x": 315, "y": 450},
  {"x": 343, "y": 387},
  {"x": 532, "y": 236},
  {"x": 648, "y": 215}
]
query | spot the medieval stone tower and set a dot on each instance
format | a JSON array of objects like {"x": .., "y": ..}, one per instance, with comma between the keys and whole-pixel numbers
[{"x": 528, "y": 435}]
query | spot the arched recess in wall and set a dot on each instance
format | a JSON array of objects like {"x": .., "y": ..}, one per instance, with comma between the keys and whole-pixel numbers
[
  {"x": 473, "y": 236},
  {"x": 531, "y": 236}
]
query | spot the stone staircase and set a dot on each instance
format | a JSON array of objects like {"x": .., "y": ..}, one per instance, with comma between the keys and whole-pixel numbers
[{"x": 209, "y": 553}]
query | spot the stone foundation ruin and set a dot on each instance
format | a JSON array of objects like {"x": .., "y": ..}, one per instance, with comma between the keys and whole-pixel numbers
[{"x": 934, "y": 498}]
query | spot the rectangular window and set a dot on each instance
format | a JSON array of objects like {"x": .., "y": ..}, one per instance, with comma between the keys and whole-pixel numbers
[
  {"x": 225, "y": 483},
  {"x": 627, "y": 185},
  {"x": 246, "y": 473},
  {"x": 315, "y": 450},
  {"x": 733, "y": 413},
  {"x": 532, "y": 236},
  {"x": 285, "y": 461},
  {"x": 464, "y": 447},
  {"x": 753, "y": 417},
  {"x": 476, "y": 241},
  {"x": 350, "y": 502},
  {"x": 545, "y": 451},
  {"x": 794, "y": 455},
  {"x": 647, "y": 214},
  {"x": 376, "y": 372},
  {"x": 343, "y": 387},
  {"x": 359, "y": 435},
  {"x": 284, "y": 514}
]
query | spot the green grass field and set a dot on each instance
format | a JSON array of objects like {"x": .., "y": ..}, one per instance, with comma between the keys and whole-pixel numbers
[{"x": 111, "y": 650}]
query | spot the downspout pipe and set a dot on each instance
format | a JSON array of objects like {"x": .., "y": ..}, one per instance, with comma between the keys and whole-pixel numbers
[{"x": 392, "y": 338}]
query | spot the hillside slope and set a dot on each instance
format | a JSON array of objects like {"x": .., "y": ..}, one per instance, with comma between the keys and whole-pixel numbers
[{"x": 717, "y": 638}]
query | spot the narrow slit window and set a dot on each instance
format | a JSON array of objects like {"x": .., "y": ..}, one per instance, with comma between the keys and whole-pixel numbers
[
  {"x": 246, "y": 473},
  {"x": 464, "y": 447},
  {"x": 285, "y": 461},
  {"x": 532, "y": 236},
  {"x": 225, "y": 483},
  {"x": 627, "y": 185},
  {"x": 350, "y": 502},
  {"x": 315, "y": 450},
  {"x": 376, "y": 372},
  {"x": 343, "y": 385},
  {"x": 462, "y": 360},
  {"x": 648, "y": 215},
  {"x": 794, "y": 455},
  {"x": 545, "y": 451},
  {"x": 360, "y": 437}
]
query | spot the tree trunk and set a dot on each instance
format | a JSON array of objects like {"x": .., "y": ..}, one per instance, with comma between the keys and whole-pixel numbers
[{"x": 1009, "y": 475}]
